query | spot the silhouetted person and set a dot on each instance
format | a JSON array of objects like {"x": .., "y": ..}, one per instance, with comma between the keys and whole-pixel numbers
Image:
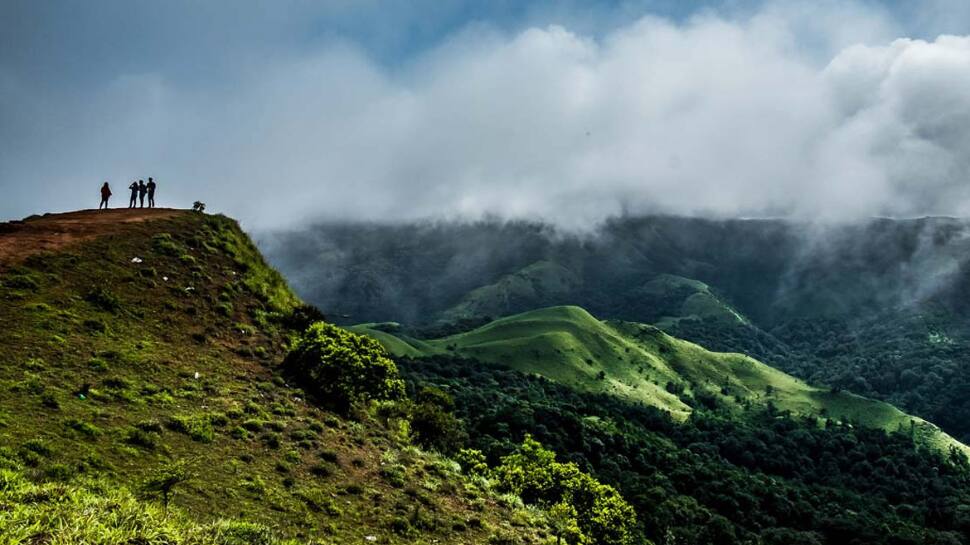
[
  {"x": 142, "y": 189},
  {"x": 134, "y": 194},
  {"x": 151, "y": 192},
  {"x": 105, "y": 195}
]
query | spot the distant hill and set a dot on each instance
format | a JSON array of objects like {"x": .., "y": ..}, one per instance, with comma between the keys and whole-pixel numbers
[{"x": 641, "y": 363}]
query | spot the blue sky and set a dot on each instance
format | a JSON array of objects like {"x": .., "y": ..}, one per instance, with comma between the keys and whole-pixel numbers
[{"x": 294, "y": 109}]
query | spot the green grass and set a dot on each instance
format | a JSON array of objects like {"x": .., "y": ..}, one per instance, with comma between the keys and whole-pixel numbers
[
  {"x": 686, "y": 298},
  {"x": 109, "y": 375},
  {"x": 643, "y": 364},
  {"x": 540, "y": 284}
]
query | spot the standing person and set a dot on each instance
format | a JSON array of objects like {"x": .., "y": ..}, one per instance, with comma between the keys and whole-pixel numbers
[
  {"x": 105, "y": 195},
  {"x": 134, "y": 194},
  {"x": 142, "y": 189},
  {"x": 151, "y": 192}
]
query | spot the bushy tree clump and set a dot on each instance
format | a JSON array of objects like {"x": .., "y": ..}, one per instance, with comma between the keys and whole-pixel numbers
[
  {"x": 584, "y": 510},
  {"x": 342, "y": 368},
  {"x": 433, "y": 421}
]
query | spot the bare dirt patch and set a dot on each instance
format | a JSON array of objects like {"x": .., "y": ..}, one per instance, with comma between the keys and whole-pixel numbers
[{"x": 21, "y": 239}]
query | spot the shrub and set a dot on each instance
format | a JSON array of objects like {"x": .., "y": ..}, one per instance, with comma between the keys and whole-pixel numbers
[
  {"x": 82, "y": 427},
  {"x": 142, "y": 438},
  {"x": 582, "y": 507},
  {"x": 21, "y": 282},
  {"x": 198, "y": 427},
  {"x": 49, "y": 400},
  {"x": 394, "y": 474},
  {"x": 434, "y": 426},
  {"x": 60, "y": 472},
  {"x": 98, "y": 364},
  {"x": 37, "y": 446},
  {"x": 342, "y": 368},
  {"x": 242, "y": 533},
  {"x": 165, "y": 244},
  {"x": 271, "y": 440},
  {"x": 472, "y": 462},
  {"x": 95, "y": 326},
  {"x": 104, "y": 299},
  {"x": 165, "y": 479}
]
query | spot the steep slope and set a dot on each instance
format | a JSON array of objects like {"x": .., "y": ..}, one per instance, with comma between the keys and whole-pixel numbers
[
  {"x": 145, "y": 350},
  {"x": 640, "y": 363}
]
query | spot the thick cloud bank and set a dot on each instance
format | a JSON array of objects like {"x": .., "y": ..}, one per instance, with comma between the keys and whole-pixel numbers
[{"x": 719, "y": 116}]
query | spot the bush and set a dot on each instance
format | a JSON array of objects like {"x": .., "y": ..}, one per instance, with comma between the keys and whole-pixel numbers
[
  {"x": 103, "y": 299},
  {"x": 165, "y": 479},
  {"x": 433, "y": 423},
  {"x": 584, "y": 509},
  {"x": 342, "y": 368},
  {"x": 165, "y": 244},
  {"x": 198, "y": 427},
  {"x": 472, "y": 462},
  {"x": 142, "y": 438},
  {"x": 21, "y": 282}
]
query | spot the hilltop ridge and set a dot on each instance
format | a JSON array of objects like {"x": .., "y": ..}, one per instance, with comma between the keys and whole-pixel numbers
[{"x": 141, "y": 346}]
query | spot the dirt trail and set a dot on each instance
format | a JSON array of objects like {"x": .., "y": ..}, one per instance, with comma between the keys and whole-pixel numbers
[{"x": 20, "y": 239}]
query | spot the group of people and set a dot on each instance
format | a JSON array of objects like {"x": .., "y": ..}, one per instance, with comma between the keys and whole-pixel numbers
[{"x": 138, "y": 189}]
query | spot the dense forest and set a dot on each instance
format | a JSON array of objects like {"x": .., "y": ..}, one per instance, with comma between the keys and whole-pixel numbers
[
  {"x": 716, "y": 478},
  {"x": 914, "y": 361}
]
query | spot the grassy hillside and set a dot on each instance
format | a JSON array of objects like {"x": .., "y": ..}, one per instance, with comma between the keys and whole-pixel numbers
[
  {"x": 640, "y": 363},
  {"x": 148, "y": 350},
  {"x": 685, "y": 299},
  {"x": 540, "y": 284}
]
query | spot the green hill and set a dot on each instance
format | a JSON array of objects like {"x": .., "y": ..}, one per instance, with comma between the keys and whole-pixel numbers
[
  {"x": 641, "y": 363},
  {"x": 684, "y": 298},
  {"x": 540, "y": 284},
  {"x": 143, "y": 347}
]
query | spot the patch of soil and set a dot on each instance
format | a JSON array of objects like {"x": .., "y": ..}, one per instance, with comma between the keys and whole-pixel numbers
[{"x": 36, "y": 234}]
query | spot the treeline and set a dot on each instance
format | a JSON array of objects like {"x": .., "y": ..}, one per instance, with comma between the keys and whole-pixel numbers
[{"x": 765, "y": 478}]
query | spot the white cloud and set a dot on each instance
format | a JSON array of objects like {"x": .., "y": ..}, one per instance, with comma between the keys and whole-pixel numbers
[{"x": 726, "y": 116}]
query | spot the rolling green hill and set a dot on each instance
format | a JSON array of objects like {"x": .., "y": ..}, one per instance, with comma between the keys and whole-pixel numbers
[
  {"x": 540, "y": 284},
  {"x": 143, "y": 347},
  {"x": 640, "y": 363}
]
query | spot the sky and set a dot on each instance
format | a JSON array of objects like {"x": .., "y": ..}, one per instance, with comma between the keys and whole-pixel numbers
[{"x": 288, "y": 111}]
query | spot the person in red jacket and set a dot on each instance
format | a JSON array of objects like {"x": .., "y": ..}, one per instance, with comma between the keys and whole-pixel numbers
[{"x": 105, "y": 195}]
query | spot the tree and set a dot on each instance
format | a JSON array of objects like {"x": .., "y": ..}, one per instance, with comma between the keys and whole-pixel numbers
[
  {"x": 602, "y": 516},
  {"x": 562, "y": 517},
  {"x": 342, "y": 368},
  {"x": 433, "y": 423},
  {"x": 166, "y": 479},
  {"x": 472, "y": 462}
]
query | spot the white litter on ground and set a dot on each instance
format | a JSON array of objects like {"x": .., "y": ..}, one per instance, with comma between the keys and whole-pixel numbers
[{"x": 136, "y": 260}]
